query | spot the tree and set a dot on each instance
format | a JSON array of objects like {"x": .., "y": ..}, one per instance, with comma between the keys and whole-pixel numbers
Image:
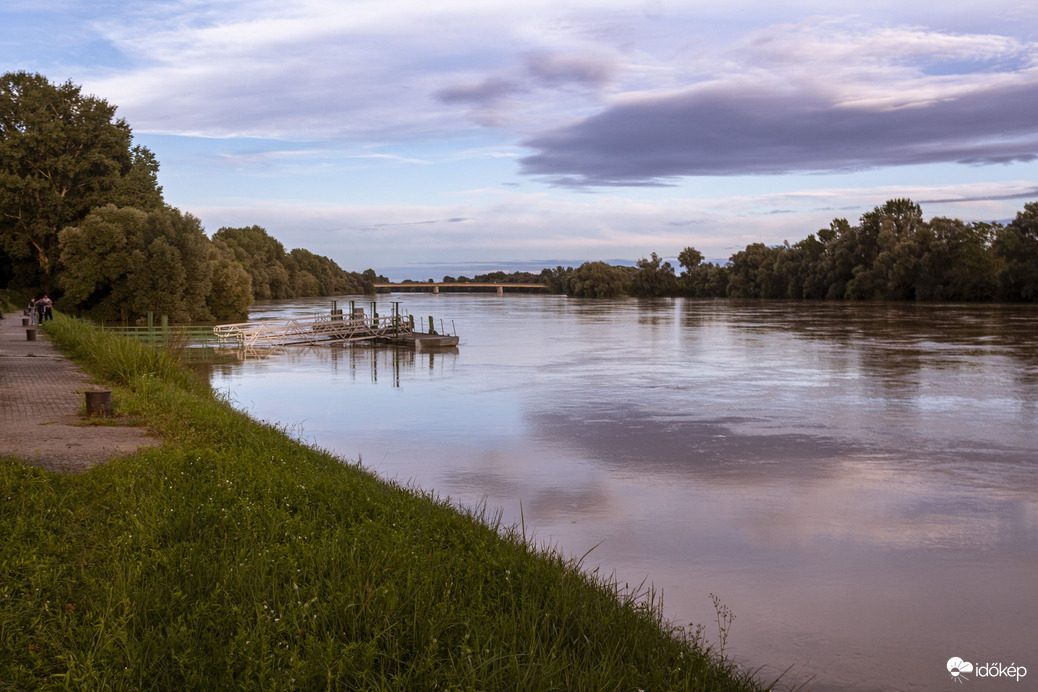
[
  {"x": 98, "y": 255},
  {"x": 557, "y": 279},
  {"x": 140, "y": 187},
  {"x": 689, "y": 259},
  {"x": 753, "y": 275},
  {"x": 62, "y": 154},
  {"x": 956, "y": 264},
  {"x": 263, "y": 256},
  {"x": 231, "y": 286},
  {"x": 1016, "y": 248},
  {"x": 121, "y": 263},
  {"x": 596, "y": 280},
  {"x": 886, "y": 252},
  {"x": 653, "y": 278}
]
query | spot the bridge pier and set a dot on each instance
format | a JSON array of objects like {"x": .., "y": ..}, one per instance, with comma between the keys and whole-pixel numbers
[
  {"x": 436, "y": 290},
  {"x": 500, "y": 290}
]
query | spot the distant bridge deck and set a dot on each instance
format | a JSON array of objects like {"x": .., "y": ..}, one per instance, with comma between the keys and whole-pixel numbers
[{"x": 458, "y": 286}]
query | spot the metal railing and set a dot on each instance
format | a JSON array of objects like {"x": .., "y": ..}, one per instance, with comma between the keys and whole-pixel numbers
[
  {"x": 312, "y": 330},
  {"x": 190, "y": 335}
]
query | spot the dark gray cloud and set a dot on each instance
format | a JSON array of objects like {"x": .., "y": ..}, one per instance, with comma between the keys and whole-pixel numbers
[{"x": 737, "y": 129}]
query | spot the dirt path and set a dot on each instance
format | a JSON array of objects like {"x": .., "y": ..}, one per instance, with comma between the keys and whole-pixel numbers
[{"x": 41, "y": 406}]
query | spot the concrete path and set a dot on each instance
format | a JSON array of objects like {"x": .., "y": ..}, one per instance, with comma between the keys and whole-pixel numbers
[{"x": 42, "y": 403}]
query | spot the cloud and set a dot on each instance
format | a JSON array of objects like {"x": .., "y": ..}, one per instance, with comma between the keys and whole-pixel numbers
[
  {"x": 823, "y": 95},
  {"x": 428, "y": 222},
  {"x": 1024, "y": 193},
  {"x": 487, "y": 92},
  {"x": 741, "y": 127},
  {"x": 555, "y": 69}
]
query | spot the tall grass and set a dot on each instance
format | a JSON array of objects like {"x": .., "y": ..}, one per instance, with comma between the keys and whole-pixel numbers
[
  {"x": 116, "y": 359},
  {"x": 236, "y": 558}
]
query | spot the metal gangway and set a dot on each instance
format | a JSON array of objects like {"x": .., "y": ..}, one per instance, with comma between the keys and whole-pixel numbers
[{"x": 314, "y": 329}]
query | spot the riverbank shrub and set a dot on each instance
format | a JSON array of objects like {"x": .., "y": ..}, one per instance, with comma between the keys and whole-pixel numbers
[{"x": 234, "y": 557}]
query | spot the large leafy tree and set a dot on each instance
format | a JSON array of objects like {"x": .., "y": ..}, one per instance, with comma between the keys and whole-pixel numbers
[
  {"x": 121, "y": 262},
  {"x": 263, "y": 257},
  {"x": 62, "y": 154}
]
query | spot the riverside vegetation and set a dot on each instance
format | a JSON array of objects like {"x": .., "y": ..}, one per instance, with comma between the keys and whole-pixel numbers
[
  {"x": 82, "y": 218},
  {"x": 234, "y": 557}
]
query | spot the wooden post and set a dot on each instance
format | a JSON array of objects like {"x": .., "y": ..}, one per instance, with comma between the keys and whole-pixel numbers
[{"x": 99, "y": 403}]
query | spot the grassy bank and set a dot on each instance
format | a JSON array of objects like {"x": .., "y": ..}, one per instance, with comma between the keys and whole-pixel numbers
[{"x": 235, "y": 558}]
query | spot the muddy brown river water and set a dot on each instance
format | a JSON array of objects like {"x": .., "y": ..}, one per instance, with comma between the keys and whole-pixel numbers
[{"x": 858, "y": 483}]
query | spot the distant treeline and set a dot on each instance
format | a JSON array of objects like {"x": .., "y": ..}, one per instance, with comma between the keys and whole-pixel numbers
[
  {"x": 493, "y": 277},
  {"x": 891, "y": 254},
  {"x": 83, "y": 219}
]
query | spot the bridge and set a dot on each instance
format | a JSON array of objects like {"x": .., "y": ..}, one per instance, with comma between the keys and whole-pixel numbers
[{"x": 457, "y": 286}]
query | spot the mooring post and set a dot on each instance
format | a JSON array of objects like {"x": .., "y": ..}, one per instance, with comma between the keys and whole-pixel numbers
[{"x": 432, "y": 327}]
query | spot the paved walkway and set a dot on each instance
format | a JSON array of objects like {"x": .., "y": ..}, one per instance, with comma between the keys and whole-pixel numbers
[{"x": 42, "y": 406}]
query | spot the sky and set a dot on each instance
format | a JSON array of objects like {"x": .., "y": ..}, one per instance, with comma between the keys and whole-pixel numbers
[{"x": 458, "y": 137}]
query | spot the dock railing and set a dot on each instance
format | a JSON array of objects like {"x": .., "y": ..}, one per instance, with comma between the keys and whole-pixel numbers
[{"x": 312, "y": 329}]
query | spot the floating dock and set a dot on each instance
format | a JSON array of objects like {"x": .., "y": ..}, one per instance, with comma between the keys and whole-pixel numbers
[{"x": 396, "y": 329}]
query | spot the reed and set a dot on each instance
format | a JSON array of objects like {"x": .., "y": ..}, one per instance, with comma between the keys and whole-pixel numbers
[{"x": 234, "y": 557}]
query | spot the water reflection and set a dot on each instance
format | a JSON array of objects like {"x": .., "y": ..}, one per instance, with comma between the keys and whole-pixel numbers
[{"x": 857, "y": 482}]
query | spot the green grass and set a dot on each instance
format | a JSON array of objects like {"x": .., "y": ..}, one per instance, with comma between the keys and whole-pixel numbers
[{"x": 236, "y": 558}]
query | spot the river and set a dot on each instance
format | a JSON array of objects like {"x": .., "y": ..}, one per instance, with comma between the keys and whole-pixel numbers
[{"x": 857, "y": 483}]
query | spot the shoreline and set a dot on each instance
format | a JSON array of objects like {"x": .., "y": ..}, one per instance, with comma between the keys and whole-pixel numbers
[{"x": 235, "y": 556}]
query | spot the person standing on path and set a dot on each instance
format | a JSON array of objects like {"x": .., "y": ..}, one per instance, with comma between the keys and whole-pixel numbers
[
  {"x": 40, "y": 311},
  {"x": 48, "y": 312},
  {"x": 32, "y": 311}
]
